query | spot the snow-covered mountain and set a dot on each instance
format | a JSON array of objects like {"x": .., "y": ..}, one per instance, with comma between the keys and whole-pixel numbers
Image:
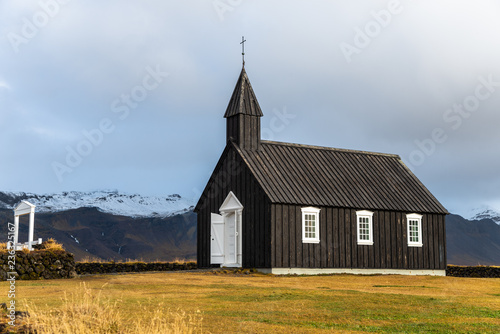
[
  {"x": 113, "y": 202},
  {"x": 484, "y": 212}
]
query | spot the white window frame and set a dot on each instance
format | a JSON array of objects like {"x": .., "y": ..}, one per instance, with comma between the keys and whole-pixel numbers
[
  {"x": 369, "y": 216},
  {"x": 418, "y": 218},
  {"x": 315, "y": 213}
]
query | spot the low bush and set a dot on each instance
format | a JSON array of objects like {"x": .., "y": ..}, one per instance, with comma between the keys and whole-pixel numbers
[{"x": 50, "y": 244}]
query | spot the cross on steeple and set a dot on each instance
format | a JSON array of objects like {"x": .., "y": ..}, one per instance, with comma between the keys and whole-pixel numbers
[{"x": 243, "y": 40}]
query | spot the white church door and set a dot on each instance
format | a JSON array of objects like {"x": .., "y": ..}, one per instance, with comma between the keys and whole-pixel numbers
[
  {"x": 231, "y": 242},
  {"x": 226, "y": 236},
  {"x": 217, "y": 239}
]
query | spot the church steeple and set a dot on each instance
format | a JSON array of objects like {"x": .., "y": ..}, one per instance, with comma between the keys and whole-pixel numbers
[{"x": 243, "y": 115}]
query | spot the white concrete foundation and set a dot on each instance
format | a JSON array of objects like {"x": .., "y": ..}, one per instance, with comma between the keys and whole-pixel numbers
[{"x": 353, "y": 271}]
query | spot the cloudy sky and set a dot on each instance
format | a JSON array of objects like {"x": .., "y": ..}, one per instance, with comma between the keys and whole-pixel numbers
[{"x": 129, "y": 95}]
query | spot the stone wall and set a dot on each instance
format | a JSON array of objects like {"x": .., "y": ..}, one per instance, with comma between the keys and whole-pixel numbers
[
  {"x": 38, "y": 264},
  {"x": 51, "y": 264},
  {"x": 113, "y": 267},
  {"x": 477, "y": 271}
]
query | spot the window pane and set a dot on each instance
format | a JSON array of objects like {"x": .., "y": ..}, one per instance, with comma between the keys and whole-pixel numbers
[
  {"x": 309, "y": 224},
  {"x": 414, "y": 232},
  {"x": 364, "y": 227}
]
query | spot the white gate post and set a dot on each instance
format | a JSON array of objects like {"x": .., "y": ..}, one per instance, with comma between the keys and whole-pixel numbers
[
  {"x": 32, "y": 228},
  {"x": 16, "y": 232}
]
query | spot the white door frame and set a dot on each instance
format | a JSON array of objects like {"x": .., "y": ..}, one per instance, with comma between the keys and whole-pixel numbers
[{"x": 232, "y": 206}]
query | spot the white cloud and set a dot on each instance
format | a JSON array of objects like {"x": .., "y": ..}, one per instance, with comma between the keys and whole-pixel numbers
[{"x": 4, "y": 85}]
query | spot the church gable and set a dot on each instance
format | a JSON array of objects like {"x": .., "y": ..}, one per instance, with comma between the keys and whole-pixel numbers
[{"x": 229, "y": 173}]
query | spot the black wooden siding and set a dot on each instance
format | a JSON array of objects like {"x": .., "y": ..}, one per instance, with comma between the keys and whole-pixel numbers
[
  {"x": 244, "y": 130},
  {"x": 231, "y": 174},
  {"x": 338, "y": 246}
]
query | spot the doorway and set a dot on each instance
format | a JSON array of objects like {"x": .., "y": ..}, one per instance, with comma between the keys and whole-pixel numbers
[{"x": 226, "y": 234}]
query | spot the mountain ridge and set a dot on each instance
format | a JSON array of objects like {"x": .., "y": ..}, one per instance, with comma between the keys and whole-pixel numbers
[
  {"x": 484, "y": 212},
  {"x": 107, "y": 201}
]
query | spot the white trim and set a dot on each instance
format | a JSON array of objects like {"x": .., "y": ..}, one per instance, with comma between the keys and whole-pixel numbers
[
  {"x": 418, "y": 218},
  {"x": 352, "y": 271},
  {"x": 310, "y": 211},
  {"x": 230, "y": 204},
  {"x": 369, "y": 215},
  {"x": 24, "y": 208}
]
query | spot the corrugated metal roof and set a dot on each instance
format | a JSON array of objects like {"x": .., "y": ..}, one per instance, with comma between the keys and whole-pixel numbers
[
  {"x": 243, "y": 100},
  {"x": 321, "y": 176}
]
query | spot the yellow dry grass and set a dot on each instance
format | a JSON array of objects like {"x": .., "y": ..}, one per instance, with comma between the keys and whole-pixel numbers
[
  {"x": 86, "y": 311},
  {"x": 93, "y": 259},
  {"x": 256, "y": 303},
  {"x": 49, "y": 244}
]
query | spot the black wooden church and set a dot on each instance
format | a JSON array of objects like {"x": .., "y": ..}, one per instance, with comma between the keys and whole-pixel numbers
[{"x": 289, "y": 208}]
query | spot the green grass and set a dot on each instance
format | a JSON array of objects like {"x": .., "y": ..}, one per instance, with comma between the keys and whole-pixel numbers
[
  {"x": 295, "y": 304},
  {"x": 404, "y": 286}
]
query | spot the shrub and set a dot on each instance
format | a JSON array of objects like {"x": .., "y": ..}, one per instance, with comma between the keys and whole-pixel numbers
[{"x": 51, "y": 244}]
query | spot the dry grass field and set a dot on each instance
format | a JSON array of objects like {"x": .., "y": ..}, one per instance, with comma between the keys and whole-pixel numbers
[{"x": 195, "y": 302}]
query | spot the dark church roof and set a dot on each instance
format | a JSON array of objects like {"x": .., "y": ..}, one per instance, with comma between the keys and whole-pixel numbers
[
  {"x": 243, "y": 100},
  {"x": 321, "y": 176}
]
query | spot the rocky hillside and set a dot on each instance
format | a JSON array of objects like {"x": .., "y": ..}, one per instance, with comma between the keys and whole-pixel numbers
[{"x": 472, "y": 242}]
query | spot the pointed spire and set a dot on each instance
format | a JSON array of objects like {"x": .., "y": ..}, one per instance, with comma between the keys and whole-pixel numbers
[{"x": 243, "y": 101}]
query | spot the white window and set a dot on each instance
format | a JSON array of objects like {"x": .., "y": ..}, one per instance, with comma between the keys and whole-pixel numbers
[
  {"x": 364, "y": 227},
  {"x": 414, "y": 222},
  {"x": 310, "y": 225}
]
